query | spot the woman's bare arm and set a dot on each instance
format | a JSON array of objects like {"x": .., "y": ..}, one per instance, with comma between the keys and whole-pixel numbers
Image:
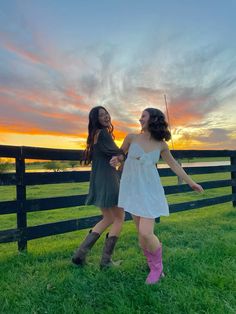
[
  {"x": 124, "y": 147},
  {"x": 169, "y": 159},
  {"x": 126, "y": 143}
]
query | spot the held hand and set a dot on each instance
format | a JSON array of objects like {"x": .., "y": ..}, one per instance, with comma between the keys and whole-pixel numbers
[
  {"x": 120, "y": 167},
  {"x": 114, "y": 162},
  {"x": 197, "y": 187}
]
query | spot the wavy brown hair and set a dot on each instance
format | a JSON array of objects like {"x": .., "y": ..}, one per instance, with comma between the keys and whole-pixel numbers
[
  {"x": 157, "y": 125},
  {"x": 93, "y": 126}
]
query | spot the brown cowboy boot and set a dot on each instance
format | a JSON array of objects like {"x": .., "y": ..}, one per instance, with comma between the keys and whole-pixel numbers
[
  {"x": 82, "y": 251},
  {"x": 108, "y": 249}
]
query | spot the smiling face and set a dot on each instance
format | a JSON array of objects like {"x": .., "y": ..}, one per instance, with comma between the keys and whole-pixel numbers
[
  {"x": 144, "y": 120},
  {"x": 104, "y": 118}
]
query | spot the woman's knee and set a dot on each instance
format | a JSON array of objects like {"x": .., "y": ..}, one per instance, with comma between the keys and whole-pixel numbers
[
  {"x": 108, "y": 218},
  {"x": 118, "y": 215},
  {"x": 144, "y": 235},
  {"x": 118, "y": 219}
]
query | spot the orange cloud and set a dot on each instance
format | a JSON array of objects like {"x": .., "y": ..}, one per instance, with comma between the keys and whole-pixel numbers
[
  {"x": 27, "y": 119},
  {"x": 23, "y": 53},
  {"x": 121, "y": 124},
  {"x": 119, "y": 135},
  {"x": 121, "y": 129},
  {"x": 184, "y": 112},
  {"x": 32, "y": 96},
  {"x": 31, "y": 56},
  {"x": 22, "y": 127},
  {"x": 36, "y": 96},
  {"x": 48, "y": 99},
  {"x": 76, "y": 99}
]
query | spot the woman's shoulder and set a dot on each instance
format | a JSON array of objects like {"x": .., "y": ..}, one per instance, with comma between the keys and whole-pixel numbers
[
  {"x": 164, "y": 145},
  {"x": 100, "y": 134},
  {"x": 130, "y": 137},
  {"x": 105, "y": 135},
  {"x": 96, "y": 135},
  {"x": 103, "y": 132}
]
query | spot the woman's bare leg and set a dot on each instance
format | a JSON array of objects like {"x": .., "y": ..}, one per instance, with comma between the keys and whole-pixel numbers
[
  {"x": 106, "y": 221},
  {"x": 136, "y": 220},
  {"x": 146, "y": 234},
  {"x": 118, "y": 219}
]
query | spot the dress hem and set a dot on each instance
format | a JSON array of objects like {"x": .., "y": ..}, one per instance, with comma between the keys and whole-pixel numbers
[
  {"x": 101, "y": 205},
  {"x": 153, "y": 217}
]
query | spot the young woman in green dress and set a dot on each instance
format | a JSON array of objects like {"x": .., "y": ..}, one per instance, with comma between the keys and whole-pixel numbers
[{"x": 104, "y": 186}]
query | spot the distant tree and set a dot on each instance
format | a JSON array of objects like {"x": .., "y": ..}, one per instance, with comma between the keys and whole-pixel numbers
[
  {"x": 4, "y": 166},
  {"x": 72, "y": 163},
  {"x": 56, "y": 166},
  {"x": 190, "y": 158}
]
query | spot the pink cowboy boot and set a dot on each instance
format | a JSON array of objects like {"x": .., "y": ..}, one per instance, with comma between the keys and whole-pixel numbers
[
  {"x": 146, "y": 253},
  {"x": 156, "y": 267}
]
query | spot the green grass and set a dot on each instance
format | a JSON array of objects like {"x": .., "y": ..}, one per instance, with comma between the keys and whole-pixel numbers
[
  {"x": 204, "y": 159},
  {"x": 199, "y": 261},
  {"x": 40, "y": 165},
  {"x": 54, "y": 190}
]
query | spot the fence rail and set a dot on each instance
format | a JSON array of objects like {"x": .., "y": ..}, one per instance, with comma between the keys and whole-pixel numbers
[{"x": 21, "y": 179}]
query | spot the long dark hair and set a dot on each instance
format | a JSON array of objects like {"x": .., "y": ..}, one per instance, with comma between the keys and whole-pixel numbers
[
  {"x": 93, "y": 126},
  {"x": 157, "y": 125}
]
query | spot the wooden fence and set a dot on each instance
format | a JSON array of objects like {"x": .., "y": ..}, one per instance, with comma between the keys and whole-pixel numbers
[{"x": 21, "y": 179}]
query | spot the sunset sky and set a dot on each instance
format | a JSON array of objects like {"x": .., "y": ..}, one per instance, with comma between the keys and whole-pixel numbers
[{"x": 59, "y": 58}]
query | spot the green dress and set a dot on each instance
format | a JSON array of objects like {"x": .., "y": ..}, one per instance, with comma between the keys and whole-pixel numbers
[{"x": 104, "y": 179}]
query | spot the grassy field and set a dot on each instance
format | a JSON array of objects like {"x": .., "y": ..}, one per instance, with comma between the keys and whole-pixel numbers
[
  {"x": 199, "y": 261},
  {"x": 40, "y": 165}
]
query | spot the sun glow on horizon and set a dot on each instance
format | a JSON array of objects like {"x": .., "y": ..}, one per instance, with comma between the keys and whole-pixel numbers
[{"x": 180, "y": 141}]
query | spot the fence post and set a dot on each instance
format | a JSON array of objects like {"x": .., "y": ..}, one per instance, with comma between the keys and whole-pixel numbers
[
  {"x": 21, "y": 197},
  {"x": 233, "y": 177}
]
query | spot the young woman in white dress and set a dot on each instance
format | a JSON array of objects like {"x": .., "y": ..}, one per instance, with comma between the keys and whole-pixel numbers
[{"x": 141, "y": 192}]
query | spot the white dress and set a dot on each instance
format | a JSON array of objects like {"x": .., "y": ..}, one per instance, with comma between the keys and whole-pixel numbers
[{"x": 141, "y": 192}]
